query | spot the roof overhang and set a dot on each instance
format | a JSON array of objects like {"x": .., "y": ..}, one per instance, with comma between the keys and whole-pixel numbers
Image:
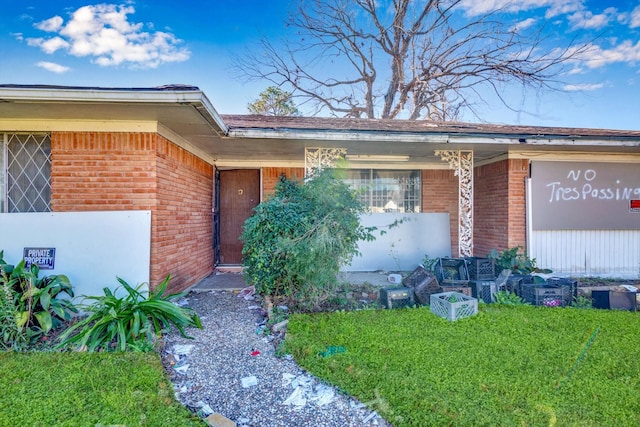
[{"x": 185, "y": 115}]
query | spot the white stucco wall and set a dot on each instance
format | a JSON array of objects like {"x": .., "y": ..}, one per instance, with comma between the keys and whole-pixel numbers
[
  {"x": 92, "y": 248},
  {"x": 403, "y": 247}
]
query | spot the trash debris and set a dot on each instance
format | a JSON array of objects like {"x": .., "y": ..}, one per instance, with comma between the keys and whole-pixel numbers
[
  {"x": 322, "y": 395},
  {"x": 183, "y": 349},
  {"x": 249, "y": 381},
  {"x": 182, "y": 302},
  {"x": 394, "y": 278},
  {"x": 370, "y": 417},
  {"x": 280, "y": 326},
  {"x": 304, "y": 391},
  {"x": 205, "y": 409},
  {"x": 253, "y": 307},
  {"x": 296, "y": 398},
  {"x": 182, "y": 369},
  {"x": 247, "y": 293},
  {"x": 331, "y": 350},
  {"x": 255, "y": 353}
]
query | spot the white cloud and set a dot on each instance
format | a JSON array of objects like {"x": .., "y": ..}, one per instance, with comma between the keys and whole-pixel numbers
[
  {"x": 554, "y": 7},
  {"x": 53, "y": 67},
  {"x": 625, "y": 52},
  {"x": 583, "y": 87},
  {"x": 18, "y": 36},
  {"x": 635, "y": 18},
  {"x": 523, "y": 24},
  {"x": 104, "y": 33},
  {"x": 587, "y": 20},
  {"x": 50, "y": 25}
]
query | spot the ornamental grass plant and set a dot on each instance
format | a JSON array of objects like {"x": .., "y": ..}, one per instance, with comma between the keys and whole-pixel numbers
[{"x": 509, "y": 365}]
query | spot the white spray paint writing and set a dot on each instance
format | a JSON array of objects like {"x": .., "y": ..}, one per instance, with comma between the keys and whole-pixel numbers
[{"x": 588, "y": 190}]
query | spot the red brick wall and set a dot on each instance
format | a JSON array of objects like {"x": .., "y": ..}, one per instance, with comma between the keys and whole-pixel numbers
[
  {"x": 94, "y": 171},
  {"x": 499, "y": 206},
  {"x": 182, "y": 227},
  {"x": 271, "y": 176},
  {"x": 440, "y": 194}
]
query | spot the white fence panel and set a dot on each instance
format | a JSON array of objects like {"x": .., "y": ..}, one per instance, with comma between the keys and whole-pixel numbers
[
  {"x": 403, "y": 247},
  {"x": 588, "y": 253},
  {"x": 91, "y": 248}
]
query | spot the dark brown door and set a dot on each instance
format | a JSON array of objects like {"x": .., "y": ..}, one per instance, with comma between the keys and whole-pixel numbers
[{"x": 239, "y": 194}]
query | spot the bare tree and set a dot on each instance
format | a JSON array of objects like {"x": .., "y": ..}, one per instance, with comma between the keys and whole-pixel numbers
[{"x": 414, "y": 59}]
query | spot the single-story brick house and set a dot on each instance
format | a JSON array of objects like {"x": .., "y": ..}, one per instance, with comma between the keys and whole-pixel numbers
[{"x": 143, "y": 182}]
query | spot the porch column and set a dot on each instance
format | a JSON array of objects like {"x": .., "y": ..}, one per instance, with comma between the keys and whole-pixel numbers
[
  {"x": 316, "y": 158},
  {"x": 462, "y": 164}
]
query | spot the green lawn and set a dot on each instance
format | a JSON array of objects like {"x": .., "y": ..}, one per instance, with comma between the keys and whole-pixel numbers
[
  {"x": 88, "y": 389},
  {"x": 507, "y": 366}
]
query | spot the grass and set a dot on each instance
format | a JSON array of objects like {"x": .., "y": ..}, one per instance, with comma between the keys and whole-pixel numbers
[
  {"x": 509, "y": 365},
  {"x": 88, "y": 389}
]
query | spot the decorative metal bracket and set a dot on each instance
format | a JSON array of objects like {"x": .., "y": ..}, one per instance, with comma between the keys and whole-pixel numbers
[
  {"x": 462, "y": 164},
  {"x": 316, "y": 158}
]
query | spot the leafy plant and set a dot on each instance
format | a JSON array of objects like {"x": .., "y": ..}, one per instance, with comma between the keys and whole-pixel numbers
[
  {"x": 582, "y": 301},
  {"x": 510, "y": 298},
  {"x": 132, "y": 322},
  {"x": 516, "y": 261},
  {"x": 296, "y": 241},
  {"x": 31, "y": 307},
  {"x": 429, "y": 263}
]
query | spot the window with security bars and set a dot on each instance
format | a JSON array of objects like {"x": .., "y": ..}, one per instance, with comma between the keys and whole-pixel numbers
[
  {"x": 387, "y": 190},
  {"x": 25, "y": 181}
]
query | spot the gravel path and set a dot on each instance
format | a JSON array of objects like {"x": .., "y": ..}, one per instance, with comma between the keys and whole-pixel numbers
[{"x": 208, "y": 372}]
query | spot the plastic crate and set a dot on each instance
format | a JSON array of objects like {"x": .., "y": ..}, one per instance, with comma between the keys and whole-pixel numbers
[
  {"x": 571, "y": 285},
  {"x": 546, "y": 295},
  {"x": 396, "y": 297},
  {"x": 484, "y": 290},
  {"x": 452, "y": 271},
  {"x": 453, "y": 305},
  {"x": 481, "y": 268},
  {"x": 466, "y": 290}
]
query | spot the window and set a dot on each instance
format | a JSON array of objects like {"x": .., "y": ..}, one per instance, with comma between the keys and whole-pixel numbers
[
  {"x": 25, "y": 173},
  {"x": 387, "y": 190}
]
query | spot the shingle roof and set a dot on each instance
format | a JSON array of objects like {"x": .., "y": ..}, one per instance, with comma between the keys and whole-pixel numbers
[{"x": 258, "y": 122}]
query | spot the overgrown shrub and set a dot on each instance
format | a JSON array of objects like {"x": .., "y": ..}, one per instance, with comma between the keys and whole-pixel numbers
[
  {"x": 297, "y": 240},
  {"x": 132, "y": 322},
  {"x": 516, "y": 260},
  {"x": 31, "y": 307}
]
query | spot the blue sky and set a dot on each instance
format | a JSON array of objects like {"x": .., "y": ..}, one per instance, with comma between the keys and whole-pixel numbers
[{"x": 144, "y": 43}]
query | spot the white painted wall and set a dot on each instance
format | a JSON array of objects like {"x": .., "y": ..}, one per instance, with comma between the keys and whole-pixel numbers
[
  {"x": 403, "y": 247},
  {"x": 588, "y": 253},
  {"x": 92, "y": 248}
]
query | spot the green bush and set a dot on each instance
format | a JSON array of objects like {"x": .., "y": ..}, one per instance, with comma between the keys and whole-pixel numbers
[
  {"x": 516, "y": 261},
  {"x": 31, "y": 307},
  {"x": 132, "y": 322},
  {"x": 297, "y": 240}
]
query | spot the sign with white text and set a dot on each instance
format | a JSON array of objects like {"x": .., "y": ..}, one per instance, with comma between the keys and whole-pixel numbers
[
  {"x": 45, "y": 258},
  {"x": 584, "y": 196}
]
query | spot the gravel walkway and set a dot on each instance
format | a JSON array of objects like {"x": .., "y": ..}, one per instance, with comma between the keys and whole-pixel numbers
[{"x": 208, "y": 372}]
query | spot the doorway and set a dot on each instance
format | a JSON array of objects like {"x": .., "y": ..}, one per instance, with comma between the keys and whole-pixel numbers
[{"x": 238, "y": 193}]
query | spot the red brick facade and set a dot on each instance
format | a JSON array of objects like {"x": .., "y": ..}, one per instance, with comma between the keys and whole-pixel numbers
[
  {"x": 95, "y": 171},
  {"x": 440, "y": 194},
  {"x": 271, "y": 176},
  {"x": 500, "y": 205}
]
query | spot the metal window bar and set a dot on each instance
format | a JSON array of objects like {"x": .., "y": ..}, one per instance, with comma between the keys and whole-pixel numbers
[
  {"x": 28, "y": 183},
  {"x": 387, "y": 191}
]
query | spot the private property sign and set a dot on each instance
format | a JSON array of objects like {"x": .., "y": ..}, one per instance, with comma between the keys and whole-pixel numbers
[
  {"x": 634, "y": 205},
  {"x": 43, "y": 257}
]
